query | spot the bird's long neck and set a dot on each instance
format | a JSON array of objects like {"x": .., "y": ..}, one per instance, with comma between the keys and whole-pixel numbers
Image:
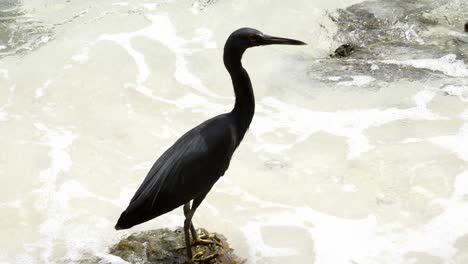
[{"x": 244, "y": 107}]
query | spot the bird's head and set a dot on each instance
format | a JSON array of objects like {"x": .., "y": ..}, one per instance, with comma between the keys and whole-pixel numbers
[{"x": 245, "y": 38}]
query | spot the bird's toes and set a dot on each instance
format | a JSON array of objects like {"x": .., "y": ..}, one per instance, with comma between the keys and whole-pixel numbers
[
  {"x": 207, "y": 239},
  {"x": 198, "y": 257}
]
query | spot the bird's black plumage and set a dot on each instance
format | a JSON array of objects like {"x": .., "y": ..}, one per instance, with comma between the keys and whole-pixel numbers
[
  {"x": 193, "y": 164},
  {"x": 189, "y": 168}
]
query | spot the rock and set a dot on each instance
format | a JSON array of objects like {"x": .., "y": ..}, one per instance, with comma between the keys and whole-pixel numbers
[
  {"x": 466, "y": 26},
  {"x": 344, "y": 50},
  {"x": 163, "y": 246}
]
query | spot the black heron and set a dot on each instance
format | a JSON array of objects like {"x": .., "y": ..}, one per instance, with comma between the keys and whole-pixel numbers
[{"x": 189, "y": 168}]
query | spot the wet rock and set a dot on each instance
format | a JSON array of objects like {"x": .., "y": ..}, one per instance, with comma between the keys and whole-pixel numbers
[
  {"x": 344, "y": 50},
  {"x": 164, "y": 246},
  {"x": 378, "y": 34}
]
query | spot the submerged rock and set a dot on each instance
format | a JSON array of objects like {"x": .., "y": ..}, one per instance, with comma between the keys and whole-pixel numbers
[{"x": 164, "y": 246}]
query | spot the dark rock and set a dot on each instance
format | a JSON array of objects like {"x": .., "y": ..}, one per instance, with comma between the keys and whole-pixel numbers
[
  {"x": 344, "y": 50},
  {"x": 163, "y": 246},
  {"x": 466, "y": 26}
]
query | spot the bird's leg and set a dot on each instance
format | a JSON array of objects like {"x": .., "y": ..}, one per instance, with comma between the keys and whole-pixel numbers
[
  {"x": 188, "y": 227},
  {"x": 189, "y": 212},
  {"x": 187, "y": 223},
  {"x": 192, "y": 228},
  {"x": 200, "y": 238}
]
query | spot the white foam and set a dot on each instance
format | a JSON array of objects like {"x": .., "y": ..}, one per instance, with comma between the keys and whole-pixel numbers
[
  {"x": 257, "y": 247},
  {"x": 365, "y": 240},
  {"x": 163, "y": 31},
  {"x": 108, "y": 258},
  {"x": 40, "y": 91},
  {"x": 204, "y": 37},
  {"x": 460, "y": 91},
  {"x": 82, "y": 56},
  {"x": 44, "y": 39},
  {"x": 349, "y": 124},
  {"x": 456, "y": 143},
  {"x": 48, "y": 199},
  {"x": 4, "y": 74},
  {"x": 144, "y": 166},
  {"x": 448, "y": 64},
  {"x": 349, "y": 188},
  {"x": 334, "y": 78},
  {"x": 458, "y": 34},
  {"x": 3, "y": 115}
]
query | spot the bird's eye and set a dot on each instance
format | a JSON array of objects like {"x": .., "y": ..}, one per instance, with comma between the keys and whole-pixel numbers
[{"x": 255, "y": 38}]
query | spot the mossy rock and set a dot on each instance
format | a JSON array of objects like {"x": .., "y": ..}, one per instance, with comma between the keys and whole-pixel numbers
[{"x": 164, "y": 246}]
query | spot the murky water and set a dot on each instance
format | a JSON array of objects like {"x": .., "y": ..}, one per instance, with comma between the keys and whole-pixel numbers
[{"x": 355, "y": 160}]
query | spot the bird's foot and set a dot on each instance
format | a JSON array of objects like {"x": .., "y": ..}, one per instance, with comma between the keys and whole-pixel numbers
[
  {"x": 207, "y": 239},
  {"x": 198, "y": 257}
]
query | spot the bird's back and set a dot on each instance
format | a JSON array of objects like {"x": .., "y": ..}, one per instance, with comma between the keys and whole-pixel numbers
[{"x": 187, "y": 169}]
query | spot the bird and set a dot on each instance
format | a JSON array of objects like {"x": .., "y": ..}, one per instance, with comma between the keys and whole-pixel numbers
[{"x": 186, "y": 171}]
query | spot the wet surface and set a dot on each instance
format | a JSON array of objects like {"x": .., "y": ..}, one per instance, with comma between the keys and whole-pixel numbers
[{"x": 363, "y": 155}]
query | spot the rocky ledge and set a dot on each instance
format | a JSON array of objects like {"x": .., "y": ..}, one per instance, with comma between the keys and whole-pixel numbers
[{"x": 164, "y": 246}]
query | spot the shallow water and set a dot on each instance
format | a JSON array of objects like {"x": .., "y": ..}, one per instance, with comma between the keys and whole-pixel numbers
[{"x": 356, "y": 160}]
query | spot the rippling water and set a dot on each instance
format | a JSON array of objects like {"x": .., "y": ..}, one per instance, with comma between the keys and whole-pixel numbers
[{"x": 356, "y": 160}]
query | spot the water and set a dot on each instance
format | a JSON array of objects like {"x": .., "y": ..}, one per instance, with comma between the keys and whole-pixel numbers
[{"x": 355, "y": 160}]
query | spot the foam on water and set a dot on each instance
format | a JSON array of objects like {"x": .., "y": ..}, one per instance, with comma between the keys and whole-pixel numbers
[
  {"x": 49, "y": 199},
  {"x": 448, "y": 64},
  {"x": 3, "y": 115},
  {"x": 53, "y": 199},
  {"x": 303, "y": 122},
  {"x": 67, "y": 231},
  {"x": 358, "y": 80},
  {"x": 40, "y": 91},
  {"x": 460, "y": 91},
  {"x": 360, "y": 240},
  {"x": 162, "y": 30},
  {"x": 456, "y": 143},
  {"x": 4, "y": 74},
  {"x": 83, "y": 56}
]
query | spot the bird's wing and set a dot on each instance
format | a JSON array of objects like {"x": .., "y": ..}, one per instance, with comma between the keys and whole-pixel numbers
[{"x": 190, "y": 166}]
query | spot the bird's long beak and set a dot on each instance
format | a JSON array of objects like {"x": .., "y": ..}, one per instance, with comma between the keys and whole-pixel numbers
[{"x": 269, "y": 40}]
